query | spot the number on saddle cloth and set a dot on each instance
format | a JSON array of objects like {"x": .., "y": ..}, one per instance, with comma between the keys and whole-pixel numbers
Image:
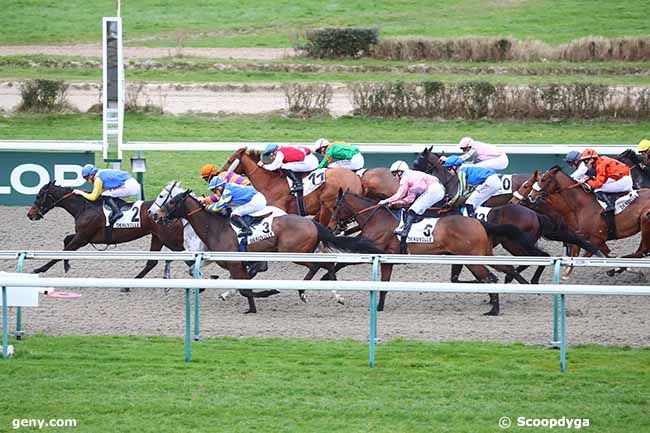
[{"x": 130, "y": 214}]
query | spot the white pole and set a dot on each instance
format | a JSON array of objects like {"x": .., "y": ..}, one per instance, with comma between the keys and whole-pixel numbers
[{"x": 118, "y": 8}]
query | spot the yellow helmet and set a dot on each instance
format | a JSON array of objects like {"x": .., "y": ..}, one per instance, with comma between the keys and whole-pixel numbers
[{"x": 644, "y": 146}]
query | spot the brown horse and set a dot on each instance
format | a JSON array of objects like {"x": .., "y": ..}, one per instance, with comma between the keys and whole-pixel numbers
[
  {"x": 90, "y": 223},
  {"x": 378, "y": 183},
  {"x": 581, "y": 211},
  {"x": 430, "y": 162},
  {"x": 453, "y": 234},
  {"x": 292, "y": 233},
  {"x": 276, "y": 189}
]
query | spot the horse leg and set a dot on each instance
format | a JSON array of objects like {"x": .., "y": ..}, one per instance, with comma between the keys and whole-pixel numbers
[
  {"x": 156, "y": 245},
  {"x": 483, "y": 275},
  {"x": 313, "y": 269},
  {"x": 70, "y": 243},
  {"x": 331, "y": 276},
  {"x": 644, "y": 246},
  {"x": 386, "y": 272},
  {"x": 455, "y": 272}
]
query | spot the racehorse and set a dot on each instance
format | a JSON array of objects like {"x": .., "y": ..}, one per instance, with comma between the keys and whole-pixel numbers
[
  {"x": 90, "y": 224},
  {"x": 276, "y": 189},
  {"x": 291, "y": 233},
  {"x": 582, "y": 212},
  {"x": 453, "y": 234},
  {"x": 378, "y": 183},
  {"x": 430, "y": 162},
  {"x": 639, "y": 171}
]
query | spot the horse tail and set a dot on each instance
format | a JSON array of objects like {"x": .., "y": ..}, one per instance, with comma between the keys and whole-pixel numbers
[
  {"x": 348, "y": 244},
  {"x": 557, "y": 230},
  {"x": 512, "y": 233}
]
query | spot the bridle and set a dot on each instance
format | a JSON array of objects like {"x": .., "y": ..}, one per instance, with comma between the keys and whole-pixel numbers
[
  {"x": 42, "y": 210},
  {"x": 340, "y": 204}
]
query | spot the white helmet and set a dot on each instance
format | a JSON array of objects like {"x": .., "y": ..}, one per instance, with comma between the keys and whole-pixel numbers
[
  {"x": 465, "y": 142},
  {"x": 399, "y": 166},
  {"x": 322, "y": 142}
]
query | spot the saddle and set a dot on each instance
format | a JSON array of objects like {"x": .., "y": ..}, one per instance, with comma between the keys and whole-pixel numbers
[
  {"x": 252, "y": 220},
  {"x": 613, "y": 204}
]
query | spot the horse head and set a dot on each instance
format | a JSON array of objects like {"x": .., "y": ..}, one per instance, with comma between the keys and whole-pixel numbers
[
  {"x": 553, "y": 181},
  {"x": 169, "y": 202},
  {"x": 47, "y": 198},
  {"x": 630, "y": 158},
  {"x": 523, "y": 193},
  {"x": 233, "y": 163}
]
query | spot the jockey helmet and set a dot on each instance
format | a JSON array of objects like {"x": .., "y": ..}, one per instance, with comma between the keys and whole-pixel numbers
[
  {"x": 321, "y": 144},
  {"x": 216, "y": 182},
  {"x": 572, "y": 156},
  {"x": 453, "y": 161},
  {"x": 588, "y": 154},
  {"x": 88, "y": 170},
  {"x": 465, "y": 142},
  {"x": 208, "y": 170},
  {"x": 270, "y": 148},
  {"x": 399, "y": 167},
  {"x": 644, "y": 146}
]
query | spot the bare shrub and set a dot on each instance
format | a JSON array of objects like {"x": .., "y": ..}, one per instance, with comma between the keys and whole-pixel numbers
[
  {"x": 42, "y": 96},
  {"x": 136, "y": 100},
  {"x": 306, "y": 100}
]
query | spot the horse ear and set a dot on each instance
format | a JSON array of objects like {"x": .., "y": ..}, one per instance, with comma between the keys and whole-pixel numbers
[
  {"x": 430, "y": 148},
  {"x": 340, "y": 193}
]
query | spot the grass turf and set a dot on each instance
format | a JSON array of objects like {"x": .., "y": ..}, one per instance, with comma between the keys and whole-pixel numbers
[
  {"x": 246, "y": 23},
  {"x": 126, "y": 384},
  {"x": 165, "y": 166}
]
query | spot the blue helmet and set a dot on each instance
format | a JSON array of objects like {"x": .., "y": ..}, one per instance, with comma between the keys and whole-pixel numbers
[
  {"x": 87, "y": 170},
  {"x": 453, "y": 161},
  {"x": 216, "y": 182},
  {"x": 270, "y": 148},
  {"x": 572, "y": 156}
]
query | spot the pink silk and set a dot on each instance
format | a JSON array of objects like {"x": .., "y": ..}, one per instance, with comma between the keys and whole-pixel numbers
[
  {"x": 485, "y": 151},
  {"x": 413, "y": 183}
]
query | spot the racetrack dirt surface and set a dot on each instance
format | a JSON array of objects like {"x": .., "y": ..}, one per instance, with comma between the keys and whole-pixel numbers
[{"x": 525, "y": 318}]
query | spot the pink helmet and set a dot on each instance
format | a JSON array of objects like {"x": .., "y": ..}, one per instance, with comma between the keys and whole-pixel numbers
[{"x": 465, "y": 142}]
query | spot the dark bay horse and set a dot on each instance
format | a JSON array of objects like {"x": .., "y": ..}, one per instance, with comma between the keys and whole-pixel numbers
[
  {"x": 582, "y": 213},
  {"x": 453, "y": 234},
  {"x": 429, "y": 162},
  {"x": 292, "y": 233},
  {"x": 276, "y": 189},
  {"x": 90, "y": 222},
  {"x": 639, "y": 170}
]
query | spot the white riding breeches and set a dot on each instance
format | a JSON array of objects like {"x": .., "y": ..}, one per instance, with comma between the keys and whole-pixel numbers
[
  {"x": 434, "y": 194},
  {"x": 484, "y": 191},
  {"x": 310, "y": 163},
  {"x": 499, "y": 163},
  {"x": 624, "y": 184},
  {"x": 256, "y": 203},
  {"x": 355, "y": 163},
  {"x": 130, "y": 187}
]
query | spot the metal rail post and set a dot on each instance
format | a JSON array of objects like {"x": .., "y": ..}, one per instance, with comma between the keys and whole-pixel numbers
[
  {"x": 563, "y": 334},
  {"x": 197, "y": 297},
  {"x": 5, "y": 323},
  {"x": 556, "y": 280},
  {"x": 372, "y": 338},
  {"x": 19, "y": 311},
  {"x": 188, "y": 326}
]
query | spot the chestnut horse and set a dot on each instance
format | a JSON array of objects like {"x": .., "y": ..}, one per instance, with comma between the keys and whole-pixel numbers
[
  {"x": 292, "y": 233},
  {"x": 453, "y": 234},
  {"x": 90, "y": 223},
  {"x": 276, "y": 189}
]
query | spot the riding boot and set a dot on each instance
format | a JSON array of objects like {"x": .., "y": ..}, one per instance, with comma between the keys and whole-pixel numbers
[
  {"x": 116, "y": 213},
  {"x": 470, "y": 210},
  {"x": 608, "y": 213},
  {"x": 242, "y": 224},
  {"x": 410, "y": 219},
  {"x": 296, "y": 180}
]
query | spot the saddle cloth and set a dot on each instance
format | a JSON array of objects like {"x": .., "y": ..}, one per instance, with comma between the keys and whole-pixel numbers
[
  {"x": 191, "y": 240},
  {"x": 506, "y": 184},
  {"x": 622, "y": 202},
  {"x": 480, "y": 212},
  {"x": 262, "y": 229},
  {"x": 421, "y": 232},
  {"x": 130, "y": 215},
  {"x": 311, "y": 182}
]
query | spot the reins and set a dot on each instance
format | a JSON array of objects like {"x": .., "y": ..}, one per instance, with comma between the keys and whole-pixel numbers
[{"x": 42, "y": 213}]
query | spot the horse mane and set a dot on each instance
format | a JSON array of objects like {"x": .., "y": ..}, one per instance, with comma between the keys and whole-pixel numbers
[
  {"x": 630, "y": 155},
  {"x": 254, "y": 154}
]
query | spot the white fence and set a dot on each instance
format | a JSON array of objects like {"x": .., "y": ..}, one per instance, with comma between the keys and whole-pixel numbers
[{"x": 372, "y": 286}]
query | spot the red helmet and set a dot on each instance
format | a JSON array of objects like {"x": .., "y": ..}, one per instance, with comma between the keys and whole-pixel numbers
[{"x": 588, "y": 154}]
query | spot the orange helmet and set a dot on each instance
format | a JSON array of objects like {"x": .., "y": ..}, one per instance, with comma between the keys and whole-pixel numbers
[
  {"x": 588, "y": 154},
  {"x": 208, "y": 170}
]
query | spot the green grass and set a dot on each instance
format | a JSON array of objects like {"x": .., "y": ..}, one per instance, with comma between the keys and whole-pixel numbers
[
  {"x": 237, "y": 23},
  {"x": 165, "y": 166},
  {"x": 128, "y": 384}
]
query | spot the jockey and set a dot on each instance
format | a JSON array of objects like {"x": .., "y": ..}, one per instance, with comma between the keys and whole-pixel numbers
[
  {"x": 579, "y": 168},
  {"x": 243, "y": 200},
  {"x": 208, "y": 171},
  {"x": 108, "y": 184},
  {"x": 486, "y": 155},
  {"x": 485, "y": 180},
  {"x": 339, "y": 154},
  {"x": 607, "y": 175},
  {"x": 417, "y": 189},
  {"x": 291, "y": 160},
  {"x": 644, "y": 151}
]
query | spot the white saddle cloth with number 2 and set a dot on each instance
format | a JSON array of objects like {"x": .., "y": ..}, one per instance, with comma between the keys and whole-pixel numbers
[
  {"x": 130, "y": 216},
  {"x": 311, "y": 182}
]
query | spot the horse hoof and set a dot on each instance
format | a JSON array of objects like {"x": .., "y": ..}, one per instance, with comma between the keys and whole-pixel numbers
[
  {"x": 611, "y": 272},
  {"x": 492, "y": 312},
  {"x": 223, "y": 296},
  {"x": 341, "y": 301},
  {"x": 125, "y": 290},
  {"x": 214, "y": 277},
  {"x": 250, "y": 312},
  {"x": 66, "y": 266},
  {"x": 303, "y": 298}
]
